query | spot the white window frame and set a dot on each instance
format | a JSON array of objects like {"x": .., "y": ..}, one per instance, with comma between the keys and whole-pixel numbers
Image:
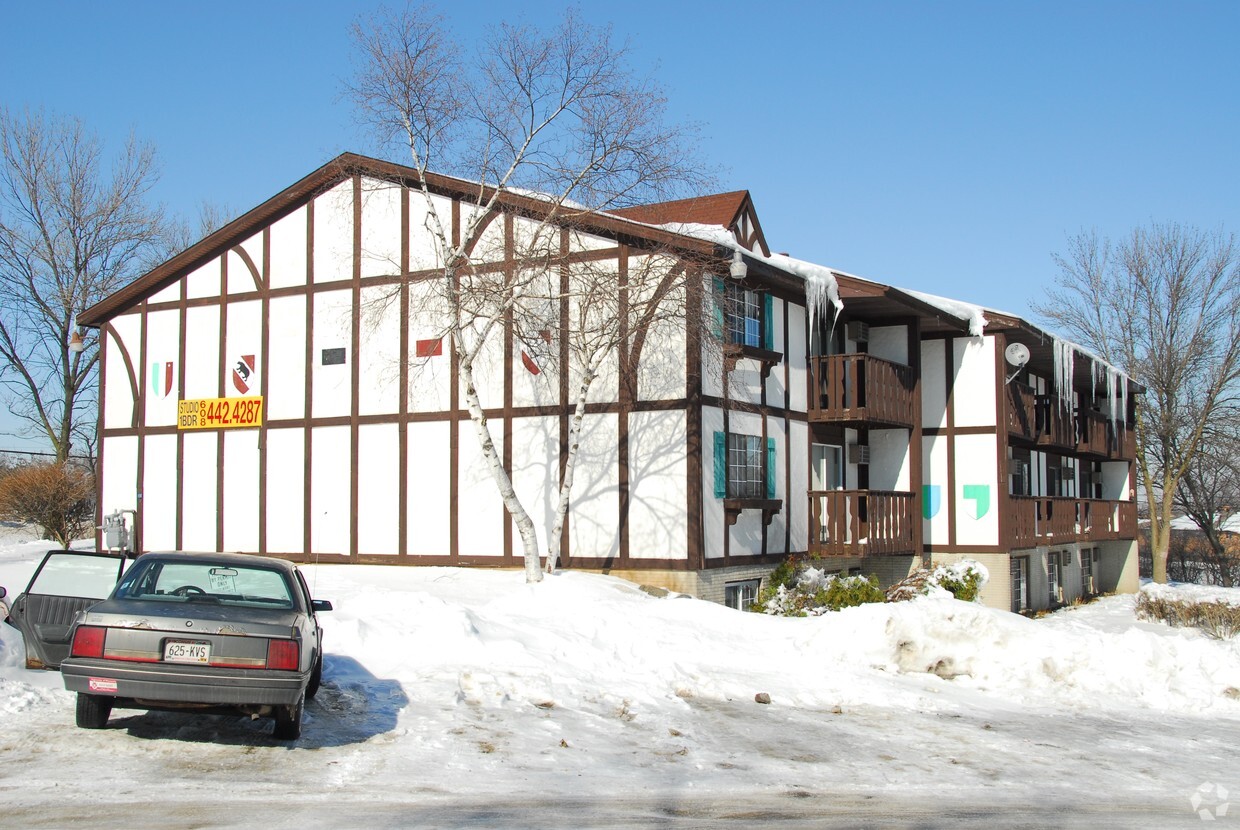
[
  {"x": 741, "y": 594},
  {"x": 746, "y": 466},
  {"x": 1019, "y": 573},
  {"x": 742, "y": 312},
  {"x": 1054, "y": 578}
]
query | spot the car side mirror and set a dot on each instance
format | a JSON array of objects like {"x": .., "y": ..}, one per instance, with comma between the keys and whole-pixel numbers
[{"x": 321, "y": 604}]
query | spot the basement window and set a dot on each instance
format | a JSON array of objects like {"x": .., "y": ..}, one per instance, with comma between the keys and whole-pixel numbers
[{"x": 741, "y": 595}]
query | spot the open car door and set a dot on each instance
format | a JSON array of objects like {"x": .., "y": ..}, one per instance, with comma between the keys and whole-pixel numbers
[{"x": 65, "y": 583}]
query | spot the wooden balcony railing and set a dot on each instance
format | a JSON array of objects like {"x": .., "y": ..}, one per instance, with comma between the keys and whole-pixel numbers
[
  {"x": 1047, "y": 520},
  {"x": 1043, "y": 419},
  {"x": 861, "y": 389},
  {"x": 1099, "y": 437},
  {"x": 862, "y": 523},
  {"x": 1022, "y": 411},
  {"x": 1092, "y": 434},
  {"x": 1055, "y": 424}
]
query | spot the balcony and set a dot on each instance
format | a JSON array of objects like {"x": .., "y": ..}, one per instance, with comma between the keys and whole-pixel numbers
[
  {"x": 863, "y": 523},
  {"x": 1041, "y": 419},
  {"x": 1022, "y": 411},
  {"x": 861, "y": 390},
  {"x": 1093, "y": 435},
  {"x": 1050, "y": 520},
  {"x": 1055, "y": 425}
]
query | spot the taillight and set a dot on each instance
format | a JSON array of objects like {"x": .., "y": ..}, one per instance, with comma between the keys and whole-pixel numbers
[
  {"x": 284, "y": 655},
  {"x": 88, "y": 641}
]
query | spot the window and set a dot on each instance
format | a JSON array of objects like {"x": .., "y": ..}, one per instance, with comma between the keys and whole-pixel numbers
[
  {"x": 743, "y": 314},
  {"x": 182, "y": 582},
  {"x": 745, "y": 470},
  {"x": 741, "y": 595},
  {"x": 742, "y": 469},
  {"x": 1087, "y": 572},
  {"x": 1018, "y": 468},
  {"x": 1020, "y": 579},
  {"x": 1053, "y": 583}
]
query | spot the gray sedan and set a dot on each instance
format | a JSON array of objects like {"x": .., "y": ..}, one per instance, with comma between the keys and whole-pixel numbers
[{"x": 208, "y": 632}]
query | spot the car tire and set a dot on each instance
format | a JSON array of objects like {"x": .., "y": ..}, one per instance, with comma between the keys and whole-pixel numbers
[
  {"x": 93, "y": 711},
  {"x": 316, "y": 679},
  {"x": 288, "y": 721}
]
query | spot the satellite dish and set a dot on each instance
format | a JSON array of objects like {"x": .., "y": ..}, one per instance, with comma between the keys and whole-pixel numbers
[{"x": 1017, "y": 354}]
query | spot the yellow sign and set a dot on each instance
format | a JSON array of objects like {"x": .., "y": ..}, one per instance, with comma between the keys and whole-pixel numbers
[{"x": 219, "y": 413}]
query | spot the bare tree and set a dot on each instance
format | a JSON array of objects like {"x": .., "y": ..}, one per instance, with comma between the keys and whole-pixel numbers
[
  {"x": 180, "y": 233},
  {"x": 557, "y": 113},
  {"x": 1209, "y": 494},
  {"x": 1163, "y": 304},
  {"x": 72, "y": 230}
]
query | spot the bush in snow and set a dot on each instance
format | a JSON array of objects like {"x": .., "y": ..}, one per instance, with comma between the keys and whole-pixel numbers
[
  {"x": 58, "y": 497},
  {"x": 962, "y": 580},
  {"x": 1216, "y": 618},
  {"x": 801, "y": 589}
]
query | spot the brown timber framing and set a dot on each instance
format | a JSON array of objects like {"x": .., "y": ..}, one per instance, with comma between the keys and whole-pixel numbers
[
  {"x": 355, "y": 364},
  {"x": 136, "y": 299}
]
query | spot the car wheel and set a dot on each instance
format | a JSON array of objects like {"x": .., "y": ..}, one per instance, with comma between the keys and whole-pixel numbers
[
  {"x": 93, "y": 711},
  {"x": 316, "y": 679},
  {"x": 288, "y": 721}
]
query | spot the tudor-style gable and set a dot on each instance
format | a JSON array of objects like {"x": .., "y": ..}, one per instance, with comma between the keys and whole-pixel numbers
[{"x": 732, "y": 211}]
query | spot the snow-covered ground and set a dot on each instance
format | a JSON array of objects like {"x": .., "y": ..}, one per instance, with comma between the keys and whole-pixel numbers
[{"x": 465, "y": 698}]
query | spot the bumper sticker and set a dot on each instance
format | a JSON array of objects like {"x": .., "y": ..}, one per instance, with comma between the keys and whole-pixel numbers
[{"x": 102, "y": 684}]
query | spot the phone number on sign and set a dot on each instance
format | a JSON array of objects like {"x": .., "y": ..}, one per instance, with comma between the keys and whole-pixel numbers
[{"x": 219, "y": 413}]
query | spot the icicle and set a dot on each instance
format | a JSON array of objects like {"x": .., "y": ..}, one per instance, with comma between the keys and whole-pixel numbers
[
  {"x": 822, "y": 292},
  {"x": 1098, "y": 372},
  {"x": 1117, "y": 396},
  {"x": 1065, "y": 354},
  {"x": 1114, "y": 386}
]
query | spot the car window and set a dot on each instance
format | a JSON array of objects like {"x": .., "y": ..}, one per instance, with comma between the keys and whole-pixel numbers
[
  {"x": 161, "y": 581},
  {"x": 76, "y": 575}
]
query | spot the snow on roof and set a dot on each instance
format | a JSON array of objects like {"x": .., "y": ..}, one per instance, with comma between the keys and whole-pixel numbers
[{"x": 973, "y": 314}]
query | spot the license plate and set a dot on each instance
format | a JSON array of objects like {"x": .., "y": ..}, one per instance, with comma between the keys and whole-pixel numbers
[{"x": 181, "y": 651}]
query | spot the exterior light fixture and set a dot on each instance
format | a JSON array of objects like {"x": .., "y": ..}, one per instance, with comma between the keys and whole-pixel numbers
[
  {"x": 738, "y": 269},
  {"x": 76, "y": 345}
]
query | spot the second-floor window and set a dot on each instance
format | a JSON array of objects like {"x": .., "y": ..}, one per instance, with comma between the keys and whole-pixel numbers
[{"x": 743, "y": 315}]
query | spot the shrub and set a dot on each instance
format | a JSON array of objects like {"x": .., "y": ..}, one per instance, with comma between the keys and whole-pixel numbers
[
  {"x": 1217, "y": 619},
  {"x": 963, "y": 580},
  {"x": 59, "y": 498},
  {"x": 802, "y": 590}
]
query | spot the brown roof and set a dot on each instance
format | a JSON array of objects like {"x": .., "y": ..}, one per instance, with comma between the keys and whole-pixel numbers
[{"x": 719, "y": 209}]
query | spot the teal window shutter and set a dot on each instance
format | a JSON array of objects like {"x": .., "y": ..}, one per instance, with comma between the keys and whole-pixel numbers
[
  {"x": 720, "y": 297},
  {"x": 770, "y": 468},
  {"x": 768, "y": 322},
  {"x": 721, "y": 465}
]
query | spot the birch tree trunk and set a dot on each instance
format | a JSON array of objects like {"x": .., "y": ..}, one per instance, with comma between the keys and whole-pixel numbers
[
  {"x": 503, "y": 482},
  {"x": 556, "y": 537}
]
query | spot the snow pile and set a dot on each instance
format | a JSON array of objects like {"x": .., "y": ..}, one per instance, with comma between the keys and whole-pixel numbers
[
  {"x": 443, "y": 685},
  {"x": 1184, "y": 592}
]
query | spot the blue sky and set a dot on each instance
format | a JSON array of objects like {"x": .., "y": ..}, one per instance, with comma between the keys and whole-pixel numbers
[{"x": 949, "y": 147}]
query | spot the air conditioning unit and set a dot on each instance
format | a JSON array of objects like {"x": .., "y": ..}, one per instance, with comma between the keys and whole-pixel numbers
[
  {"x": 857, "y": 331},
  {"x": 1018, "y": 466},
  {"x": 858, "y": 454}
]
